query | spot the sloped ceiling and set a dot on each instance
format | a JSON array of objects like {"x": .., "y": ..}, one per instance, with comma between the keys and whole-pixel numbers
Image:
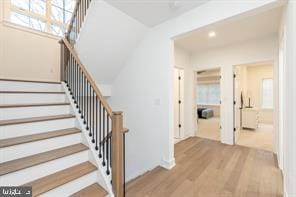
[
  {"x": 154, "y": 12},
  {"x": 107, "y": 37}
]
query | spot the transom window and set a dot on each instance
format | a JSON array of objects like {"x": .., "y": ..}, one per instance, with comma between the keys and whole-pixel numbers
[{"x": 51, "y": 16}]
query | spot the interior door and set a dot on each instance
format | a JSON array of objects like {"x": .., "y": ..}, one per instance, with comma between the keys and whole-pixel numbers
[
  {"x": 237, "y": 103},
  {"x": 179, "y": 103}
]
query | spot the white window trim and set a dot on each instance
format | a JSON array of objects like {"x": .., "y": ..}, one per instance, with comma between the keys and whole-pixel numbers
[
  {"x": 9, "y": 24},
  {"x": 7, "y": 8}
]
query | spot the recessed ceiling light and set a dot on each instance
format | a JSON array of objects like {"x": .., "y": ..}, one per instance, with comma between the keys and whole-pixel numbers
[{"x": 212, "y": 34}]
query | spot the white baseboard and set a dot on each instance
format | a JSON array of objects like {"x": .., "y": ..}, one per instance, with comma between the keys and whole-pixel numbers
[{"x": 168, "y": 164}]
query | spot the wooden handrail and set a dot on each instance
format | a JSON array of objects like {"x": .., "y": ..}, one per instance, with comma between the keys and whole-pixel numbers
[
  {"x": 125, "y": 130},
  {"x": 110, "y": 139},
  {"x": 89, "y": 78},
  {"x": 72, "y": 18}
]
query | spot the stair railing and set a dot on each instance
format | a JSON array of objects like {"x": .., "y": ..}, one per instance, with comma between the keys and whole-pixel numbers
[
  {"x": 77, "y": 20},
  {"x": 105, "y": 127}
]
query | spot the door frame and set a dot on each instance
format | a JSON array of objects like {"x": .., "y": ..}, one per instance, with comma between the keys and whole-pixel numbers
[
  {"x": 275, "y": 93},
  {"x": 195, "y": 97},
  {"x": 179, "y": 113}
]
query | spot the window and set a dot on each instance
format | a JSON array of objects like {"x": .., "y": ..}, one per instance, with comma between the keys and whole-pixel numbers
[
  {"x": 267, "y": 93},
  {"x": 208, "y": 94},
  {"x": 51, "y": 16}
]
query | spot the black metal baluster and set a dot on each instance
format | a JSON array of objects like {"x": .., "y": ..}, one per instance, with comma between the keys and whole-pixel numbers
[
  {"x": 110, "y": 148},
  {"x": 70, "y": 74},
  {"x": 67, "y": 69},
  {"x": 72, "y": 71},
  {"x": 79, "y": 90},
  {"x": 96, "y": 122},
  {"x": 78, "y": 79},
  {"x": 100, "y": 131},
  {"x": 82, "y": 95},
  {"x": 104, "y": 136},
  {"x": 110, "y": 141},
  {"x": 87, "y": 108},
  {"x": 107, "y": 144},
  {"x": 90, "y": 111},
  {"x": 84, "y": 110},
  {"x": 93, "y": 116},
  {"x": 75, "y": 83},
  {"x": 123, "y": 164}
]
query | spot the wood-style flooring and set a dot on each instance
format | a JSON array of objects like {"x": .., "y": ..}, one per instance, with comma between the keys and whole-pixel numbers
[{"x": 207, "y": 168}]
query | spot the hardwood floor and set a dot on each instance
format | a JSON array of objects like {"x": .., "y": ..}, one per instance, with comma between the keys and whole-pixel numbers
[
  {"x": 261, "y": 138},
  {"x": 209, "y": 128},
  {"x": 207, "y": 168}
]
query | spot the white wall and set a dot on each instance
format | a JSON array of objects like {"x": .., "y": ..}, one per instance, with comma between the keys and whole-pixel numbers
[
  {"x": 107, "y": 37},
  {"x": 144, "y": 87},
  {"x": 252, "y": 51},
  {"x": 27, "y": 54},
  {"x": 288, "y": 31},
  {"x": 182, "y": 60}
]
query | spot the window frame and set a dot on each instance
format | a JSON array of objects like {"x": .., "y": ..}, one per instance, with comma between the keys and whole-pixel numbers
[
  {"x": 207, "y": 103},
  {"x": 262, "y": 95},
  {"x": 47, "y": 18}
]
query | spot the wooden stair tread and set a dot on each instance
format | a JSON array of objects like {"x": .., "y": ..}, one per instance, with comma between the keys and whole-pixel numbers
[
  {"x": 31, "y": 92},
  {"x": 94, "y": 190},
  {"x": 57, "y": 179},
  {"x": 33, "y": 105},
  {"x": 25, "y": 162},
  {"x": 30, "y": 81},
  {"x": 37, "y": 137},
  {"x": 35, "y": 119}
]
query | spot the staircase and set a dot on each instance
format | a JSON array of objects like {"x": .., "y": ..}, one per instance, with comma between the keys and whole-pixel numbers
[
  {"x": 62, "y": 138},
  {"x": 40, "y": 143}
]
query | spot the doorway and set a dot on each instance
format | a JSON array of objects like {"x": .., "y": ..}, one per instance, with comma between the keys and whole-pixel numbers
[
  {"x": 208, "y": 104},
  {"x": 253, "y": 105}
]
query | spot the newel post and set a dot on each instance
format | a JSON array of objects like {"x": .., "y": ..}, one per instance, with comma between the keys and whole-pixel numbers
[
  {"x": 117, "y": 154},
  {"x": 62, "y": 60}
]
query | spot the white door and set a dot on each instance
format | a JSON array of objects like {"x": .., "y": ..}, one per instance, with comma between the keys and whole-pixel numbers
[
  {"x": 179, "y": 103},
  {"x": 237, "y": 103}
]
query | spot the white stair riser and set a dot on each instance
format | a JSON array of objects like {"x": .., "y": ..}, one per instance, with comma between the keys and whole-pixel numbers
[
  {"x": 17, "y": 130},
  {"x": 21, "y": 98},
  {"x": 35, "y": 172},
  {"x": 29, "y": 86},
  {"x": 32, "y": 148},
  {"x": 73, "y": 186},
  {"x": 27, "y": 112}
]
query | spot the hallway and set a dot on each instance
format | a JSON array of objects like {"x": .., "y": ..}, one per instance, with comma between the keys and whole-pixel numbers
[{"x": 206, "y": 168}]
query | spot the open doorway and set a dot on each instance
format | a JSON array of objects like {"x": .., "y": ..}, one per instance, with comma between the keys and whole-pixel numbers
[
  {"x": 253, "y": 106},
  {"x": 208, "y": 104}
]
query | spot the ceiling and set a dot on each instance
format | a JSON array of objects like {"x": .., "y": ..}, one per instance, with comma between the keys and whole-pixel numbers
[
  {"x": 154, "y": 12},
  {"x": 234, "y": 31}
]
